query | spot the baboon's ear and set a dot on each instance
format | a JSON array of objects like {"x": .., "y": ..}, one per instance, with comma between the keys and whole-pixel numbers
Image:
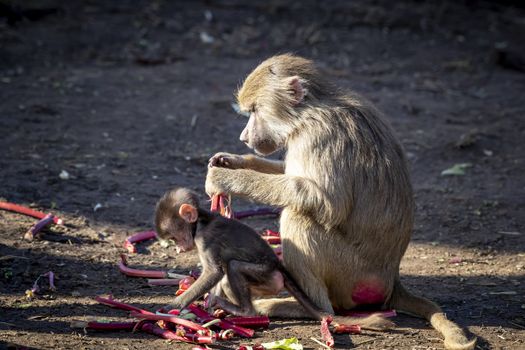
[
  {"x": 296, "y": 89},
  {"x": 188, "y": 213}
]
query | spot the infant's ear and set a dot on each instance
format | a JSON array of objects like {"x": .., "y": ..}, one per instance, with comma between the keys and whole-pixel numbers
[{"x": 188, "y": 213}]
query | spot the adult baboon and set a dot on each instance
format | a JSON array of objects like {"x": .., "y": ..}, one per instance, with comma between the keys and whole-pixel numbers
[{"x": 344, "y": 188}]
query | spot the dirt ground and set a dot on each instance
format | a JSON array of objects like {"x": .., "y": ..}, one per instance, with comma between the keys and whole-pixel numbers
[{"x": 132, "y": 97}]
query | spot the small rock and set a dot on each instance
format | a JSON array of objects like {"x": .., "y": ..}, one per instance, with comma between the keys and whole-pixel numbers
[
  {"x": 64, "y": 175},
  {"x": 97, "y": 207},
  {"x": 208, "y": 15},
  {"x": 467, "y": 139},
  {"x": 455, "y": 260},
  {"x": 207, "y": 38}
]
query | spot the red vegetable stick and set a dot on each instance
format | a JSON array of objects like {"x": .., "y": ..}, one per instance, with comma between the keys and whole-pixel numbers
[
  {"x": 142, "y": 236},
  {"x": 138, "y": 237},
  {"x": 27, "y": 211},
  {"x": 222, "y": 207},
  {"x": 250, "y": 322},
  {"x": 121, "y": 306},
  {"x": 36, "y": 288},
  {"x": 51, "y": 276},
  {"x": 103, "y": 326},
  {"x": 167, "y": 334},
  {"x": 325, "y": 331},
  {"x": 163, "y": 282},
  {"x": 215, "y": 203},
  {"x": 122, "y": 265},
  {"x": 206, "y": 317},
  {"x": 200, "y": 339},
  {"x": 269, "y": 232},
  {"x": 347, "y": 328},
  {"x": 272, "y": 239},
  {"x": 180, "y": 321},
  {"x": 39, "y": 226}
]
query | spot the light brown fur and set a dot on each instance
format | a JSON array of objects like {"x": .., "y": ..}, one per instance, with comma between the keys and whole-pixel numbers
[{"x": 345, "y": 191}]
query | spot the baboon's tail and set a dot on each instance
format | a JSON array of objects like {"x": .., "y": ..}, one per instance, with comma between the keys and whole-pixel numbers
[{"x": 455, "y": 339}]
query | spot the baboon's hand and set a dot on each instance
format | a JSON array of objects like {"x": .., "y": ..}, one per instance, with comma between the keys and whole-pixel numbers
[
  {"x": 227, "y": 160},
  {"x": 213, "y": 181}
]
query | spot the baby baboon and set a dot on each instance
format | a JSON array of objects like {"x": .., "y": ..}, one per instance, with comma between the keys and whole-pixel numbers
[
  {"x": 234, "y": 253},
  {"x": 344, "y": 188}
]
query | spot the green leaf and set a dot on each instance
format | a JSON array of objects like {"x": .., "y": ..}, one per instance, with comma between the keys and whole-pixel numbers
[
  {"x": 456, "y": 170},
  {"x": 285, "y": 344}
]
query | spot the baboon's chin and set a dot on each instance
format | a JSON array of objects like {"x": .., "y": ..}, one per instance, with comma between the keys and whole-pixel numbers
[
  {"x": 265, "y": 148},
  {"x": 262, "y": 153}
]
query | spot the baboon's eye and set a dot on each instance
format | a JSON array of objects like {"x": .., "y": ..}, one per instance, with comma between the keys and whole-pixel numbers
[{"x": 253, "y": 110}]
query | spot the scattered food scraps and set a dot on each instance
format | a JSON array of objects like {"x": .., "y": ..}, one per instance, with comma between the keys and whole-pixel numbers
[
  {"x": 193, "y": 326},
  {"x": 31, "y": 293}
]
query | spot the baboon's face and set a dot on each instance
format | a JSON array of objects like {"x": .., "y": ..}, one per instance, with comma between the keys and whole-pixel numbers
[
  {"x": 179, "y": 231},
  {"x": 271, "y": 102},
  {"x": 175, "y": 218},
  {"x": 258, "y": 135}
]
